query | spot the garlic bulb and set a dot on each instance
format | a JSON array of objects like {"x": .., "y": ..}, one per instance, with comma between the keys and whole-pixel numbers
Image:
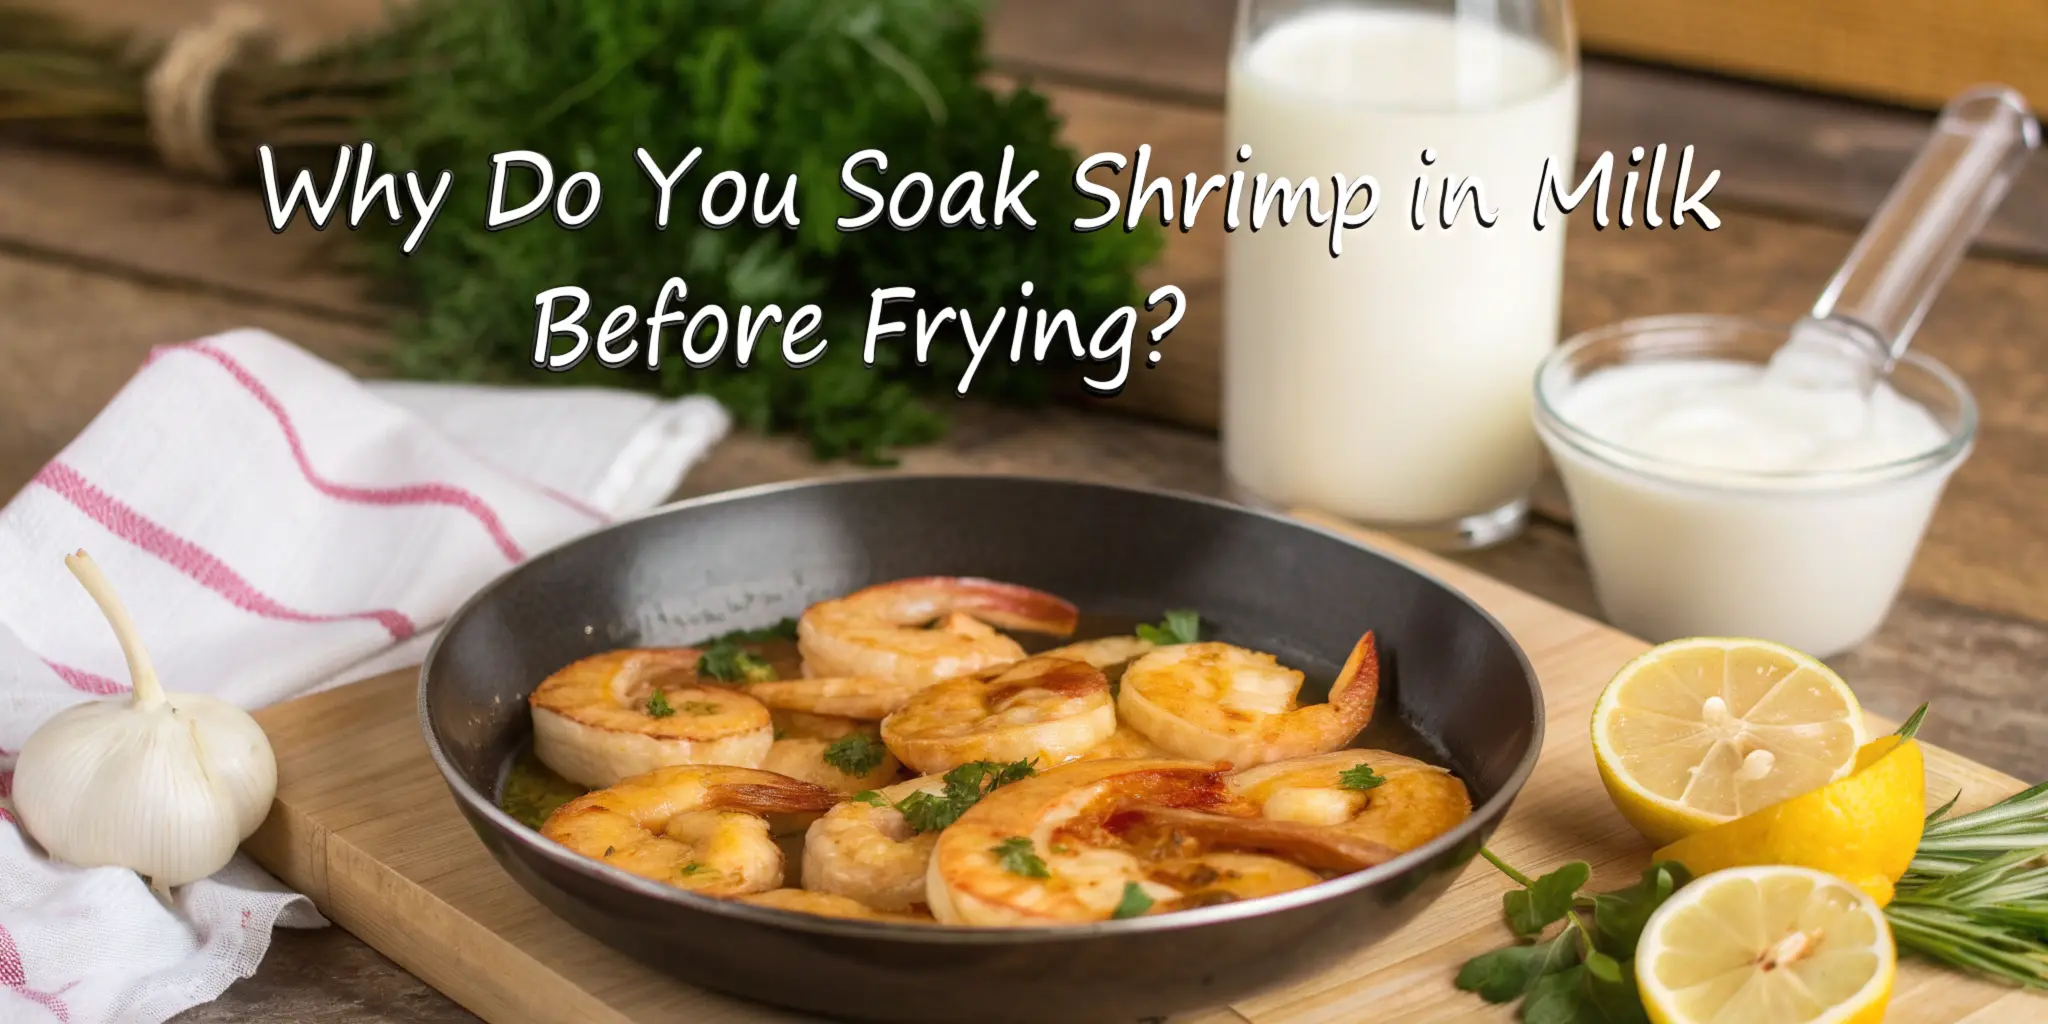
[{"x": 167, "y": 785}]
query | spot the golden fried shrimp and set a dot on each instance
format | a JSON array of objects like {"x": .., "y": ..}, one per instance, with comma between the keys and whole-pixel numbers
[
  {"x": 804, "y": 901},
  {"x": 801, "y": 725},
  {"x": 873, "y": 698},
  {"x": 868, "y": 852},
  {"x": 1216, "y": 702},
  {"x": 618, "y": 714},
  {"x": 1068, "y": 845},
  {"x": 1416, "y": 803},
  {"x": 1043, "y": 709},
  {"x": 1103, "y": 652},
  {"x": 865, "y": 698},
  {"x": 881, "y": 630},
  {"x": 1125, "y": 742},
  {"x": 805, "y": 759},
  {"x": 696, "y": 827}
]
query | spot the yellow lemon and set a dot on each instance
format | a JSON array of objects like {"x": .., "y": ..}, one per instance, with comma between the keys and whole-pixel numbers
[
  {"x": 1766, "y": 945},
  {"x": 1699, "y": 732},
  {"x": 1862, "y": 829}
]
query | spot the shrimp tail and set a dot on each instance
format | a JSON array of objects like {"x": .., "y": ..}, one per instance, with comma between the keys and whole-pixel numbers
[
  {"x": 1320, "y": 849},
  {"x": 782, "y": 796},
  {"x": 1357, "y": 688},
  {"x": 1009, "y": 605}
]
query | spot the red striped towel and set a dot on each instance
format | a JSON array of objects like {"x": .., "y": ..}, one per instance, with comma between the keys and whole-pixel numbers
[{"x": 274, "y": 526}]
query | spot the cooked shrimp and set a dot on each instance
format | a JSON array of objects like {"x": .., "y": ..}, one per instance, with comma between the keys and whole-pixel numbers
[
  {"x": 800, "y": 725},
  {"x": 1048, "y": 710},
  {"x": 879, "y": 631},
  {"x": 615, "y": 715},
  {"x": 1071, "y": 844},
  {"x": 804, "y": 901},
  {"x": 866, "y": 698},
  {"x": 1416, "y": 803},
  {"x": 868, "y": 852},
  {"x": 1125, "y": 742},
  {"x": 1216, "y": 702},
  {"x": 805, "y": 759},
  {"x": 695, "y": 827},
  {"x": 873, "y": 698}
]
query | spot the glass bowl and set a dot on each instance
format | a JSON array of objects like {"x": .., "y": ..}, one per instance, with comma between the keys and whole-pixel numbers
[{"x": 1812, "y": 559}]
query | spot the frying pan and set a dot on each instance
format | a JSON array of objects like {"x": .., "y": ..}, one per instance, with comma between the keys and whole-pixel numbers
[{"x": 750, "y": 558}]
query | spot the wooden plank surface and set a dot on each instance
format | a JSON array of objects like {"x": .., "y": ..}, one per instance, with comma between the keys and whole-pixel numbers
[
  {"x": 365, "y": 826},
  {"x": 1917, "y": 52}
]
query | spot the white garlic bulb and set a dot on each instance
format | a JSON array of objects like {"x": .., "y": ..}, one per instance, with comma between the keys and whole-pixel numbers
[{"x": 167, "y": 785}]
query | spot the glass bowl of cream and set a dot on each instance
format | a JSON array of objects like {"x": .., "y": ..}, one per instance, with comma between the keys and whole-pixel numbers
[{"x": 1714, "y": 500}]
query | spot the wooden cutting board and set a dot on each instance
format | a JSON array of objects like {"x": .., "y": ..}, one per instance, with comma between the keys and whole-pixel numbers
[{"x": 364, "y": 825}]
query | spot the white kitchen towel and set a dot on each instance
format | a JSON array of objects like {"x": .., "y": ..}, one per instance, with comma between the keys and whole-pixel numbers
[{"x": 274, "y": 526}]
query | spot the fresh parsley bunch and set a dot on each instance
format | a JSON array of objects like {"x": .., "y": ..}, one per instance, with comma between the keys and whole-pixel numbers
[
  {"x": 772, "y": 87},
  {"x": 1584, "y": 971}
]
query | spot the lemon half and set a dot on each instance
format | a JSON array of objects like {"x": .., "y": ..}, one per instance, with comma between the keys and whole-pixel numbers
[
  {"x": 1766, "y": 945},
  {"x": 1699, "y": 732},
  {"x": 1863, "y": 829}
]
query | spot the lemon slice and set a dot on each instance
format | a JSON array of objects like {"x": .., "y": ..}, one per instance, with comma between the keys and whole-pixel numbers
[
  {"x": 1766, "y": 945},
  {"x": 1698, "y": 732},
  {"x": 1863, "y": 829}
]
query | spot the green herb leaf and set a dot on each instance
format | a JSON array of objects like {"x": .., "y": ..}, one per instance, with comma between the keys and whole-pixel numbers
[
  {"x": 1619, "y": 916},
  {"x": 1558, "y": 998},
  {"x": 693, "y": 868},
  {"x": 965, "y": 786},
  {"x": 1133, "y": 903},
  {"x": 1506, "y": 974},
  {"x": 871, "y": 798},
  {"x": 1546, "y": 901},
  {"x": 1911, "y": 726},
  {"x": 728, "y": 662},
  {"x": 1360, "y": 776},
  {"x": 856, "y": 754},
  {"x": 657, "y": 705},
  {"x": 1603, "y": 967},
  {"x": 1019, "y": 858},
  {"x": 1180, "y": 626},
  {"x": 1615, "y": 999}
]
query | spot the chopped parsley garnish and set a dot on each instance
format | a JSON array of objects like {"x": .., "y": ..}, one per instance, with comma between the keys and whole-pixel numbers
[
  {"x": 697, "y": 707},
  {"x": 1181, "y": 626},
  {"x": 693, "y": 868},
  {"x": 1134, "y": 903},
  {"x": 726, "y": 661},
  {"x": 1359, "y": 776},
  {"x": 855, "y": 754},
  {"x": 657, "y": 705},
  {"x": 1018, "y": 858},
  {"x": 965, "y": 786},
  {"x": 871, "y": 798}
]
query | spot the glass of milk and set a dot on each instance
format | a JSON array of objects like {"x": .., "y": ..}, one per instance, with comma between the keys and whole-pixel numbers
[
  {"x": 1389, "y": 385},
  {"x": 1712, "y": 501}
]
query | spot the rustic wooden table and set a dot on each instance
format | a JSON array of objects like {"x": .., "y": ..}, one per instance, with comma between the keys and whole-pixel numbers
[{"x": 101, "y": 260}]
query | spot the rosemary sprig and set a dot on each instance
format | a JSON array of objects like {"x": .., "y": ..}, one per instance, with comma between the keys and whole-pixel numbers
[{"x": 1976, "y": 895}]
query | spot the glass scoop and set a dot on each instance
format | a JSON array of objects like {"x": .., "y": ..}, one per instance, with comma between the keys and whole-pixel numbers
[{"x": 1864, "y": 320}]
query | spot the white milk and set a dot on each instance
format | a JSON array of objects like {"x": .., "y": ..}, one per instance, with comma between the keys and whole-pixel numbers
[
  {"x": 1736, "y": 509},
  {"x": 1391, "y": 385}
]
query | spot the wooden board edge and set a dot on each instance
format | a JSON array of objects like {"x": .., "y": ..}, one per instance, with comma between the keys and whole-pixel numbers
[{"x": 435, "y": 940}]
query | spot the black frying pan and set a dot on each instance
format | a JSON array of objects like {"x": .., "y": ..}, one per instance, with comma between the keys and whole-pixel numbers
[{"x": 1450, "y": 674}]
